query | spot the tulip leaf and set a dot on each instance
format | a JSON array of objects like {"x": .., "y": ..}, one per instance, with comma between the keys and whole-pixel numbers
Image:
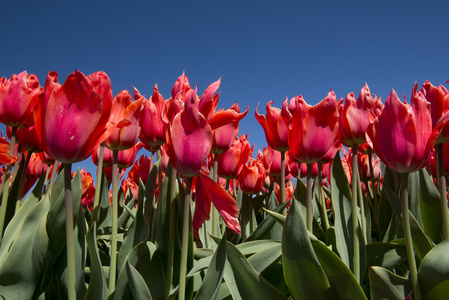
[
  {"x": 429, "y": 203},
  {"x": 249, "y": 283},
  {"x": 341, "y": 201},
  {"x": 248, "y": 248},
  {"x": 263, "y": 230},
  {"x": 104, "y": 217},
  {"x": 387, "y": 285},
  {"x": 421, "y": 242},
  {"x": 211, "y": 283},
  {"x": 21, "y": 267},
  {"x": 384, "y": 210},
  {"x": 386, "y": 254},
  {"x": 303, "y": 273},
  {"x": 266, "y": 258},
  {"x": 138, "y": 286},
  {"x": 433, "y": 273},
  {"x": 97, "y": 285}
]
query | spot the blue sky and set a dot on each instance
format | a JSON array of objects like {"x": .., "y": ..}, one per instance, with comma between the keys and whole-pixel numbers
[{"x": 262, "y": 50}]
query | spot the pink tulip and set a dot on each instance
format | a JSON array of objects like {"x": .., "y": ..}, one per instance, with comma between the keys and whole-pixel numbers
[
  {"x": 71, "y": 119},
  {"x": 313, "y": 129},
  {"x": 252, "y": 177},
  {"x": 18, "y": 97},
  {"x": 439, "y": 105},
  {"x": 402, "y": 135},
  {"x": 230, "y": 163}
]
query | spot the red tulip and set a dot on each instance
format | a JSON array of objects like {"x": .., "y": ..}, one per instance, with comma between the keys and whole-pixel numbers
[
  {"x": 208, "y": 191},
  {"x": 141, "y": 169},
  {"x": 28, "y": 139},
  {"x": 125, "y": 115},
  {"x": 271, "y": 159},
  {"x": 439, "y": 105},
  {"x": 313, "y": 129},
  {"x": 125, "y": 158},
  {"x": 37, "y": 165},
  {"x": 190, "y": 134},
  {"x": 152, "y": 129},
  {"x": 275, "y": 126},
  {"x": 230, "y": 163},
  {"x": 87, "y": 188},
  {"x": 402, "y": 135},
  {"x": 18, "y": 97},
  {"x": 5, "y": 152},
  {"x": 224, "y": 136},
  {"x": 355, "y": 117},
  {"x": 71, "y": 119},
  {"x": 252, "y": 177}
]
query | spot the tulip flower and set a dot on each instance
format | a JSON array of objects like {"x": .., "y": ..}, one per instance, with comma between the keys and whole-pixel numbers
[
  {"x": 313, "y": 129},
  {"x": 125, "y": 115},
  {"x": 18, "y": 97},
  {"x": 230, "y": 163},
  {"x": 275, "y": 126},
  {"x": 208, "y": 191},
  {"x": 252, "y": 176},
  {"x": 152, "y": 129},
  {"x": 28, "y": 139},
  {"x": 141, "y": 169},
  {"x": 224, "y": 136},
  {"x": 71, "y": 118},
  {"x": 5, "y": 152}
]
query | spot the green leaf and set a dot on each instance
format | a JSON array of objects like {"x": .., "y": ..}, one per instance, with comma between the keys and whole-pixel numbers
[
  {"x": 385, "y": 211},
  {"x": 104, "y": 218},
  {"x": 138, "y": 286},
  {"x": 250, "y": 284},
  {"x": 303, "y": 273},
  {"x": 97, "y": 285},
  {"x": 433, "y": 274},
  {"x": 214, "y": 275},
  {"x": 386, "y": 255},
  {"x": 266, "y": 258},
  {"x": 387, "y": 285},
  {"x": 341, "y": 278},
  {"x": 248, "y": 248},
  {"x": 263, "y": 230},
  {"x": 429, "y": 203}
]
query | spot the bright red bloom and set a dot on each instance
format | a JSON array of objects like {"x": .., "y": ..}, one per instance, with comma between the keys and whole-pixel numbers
[
  {"x": 271, "y": 159},
  {"x": 190, "y": 134},
  {"x": 207, "y": 191},
  {"x": 152, "y": 129},
  {"x": 288, "y": 191},
  {"x": 37, "y": 165},
  {"x": 18, "y": 97},
  {"x": 28, "y": 139},
  {"x": 355, "y": 117},
  {"x": 252, "y": 177},
  {"x": 224, "y": 136},
  {"x": 230, "y": 163},
  {"x": 71, "y": 119},
  {"x": 275, "y": 126},
  {"x": 125, "y": 115},
  {"x": 125, "y": 158},
  {"x": 141, "y": 169},
  {"x": 313, "y": 129},
  {"x": 402, "y": 135},
  {"x": 5, "y": 152},
  {"x": 87, "y": 188},
  {"x": 439, "y": 105}
]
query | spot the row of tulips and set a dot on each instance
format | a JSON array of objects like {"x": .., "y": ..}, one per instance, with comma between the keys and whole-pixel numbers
[{"x": 345, "y": 213}]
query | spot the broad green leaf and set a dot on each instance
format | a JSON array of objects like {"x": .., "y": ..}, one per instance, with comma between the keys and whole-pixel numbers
[
  {"x": 250, "y": 284},
  {"x": 386, "y": 255},
  {"x": 303, "y": 273},
  {"x": 248, "y": 248},
  {"x": 211, "y": 283},
  {"x": 20, "y": 270},
  {"x": 138, "y": 286},
  {"x": 387, "y": 285},
  {"x": 341, "y": 278},
  {"x": 341, "y": 201},
  {"x": 429, "y": 203},
  {"x": 266, "y": 258},
  {"x": 385, "y": 212},
  {"x": 433, "y": 273},
  {"x": 104, "y": 218},
  {"x": 97, "y": 285},
  {"x": 263, "y": 230}
]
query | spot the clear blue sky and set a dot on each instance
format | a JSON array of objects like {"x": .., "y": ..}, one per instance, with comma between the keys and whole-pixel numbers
[{"x": 263, "y": 50}]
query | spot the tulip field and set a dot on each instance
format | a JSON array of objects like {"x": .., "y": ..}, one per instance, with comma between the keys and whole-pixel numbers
[{"x": 347, "y": 200}]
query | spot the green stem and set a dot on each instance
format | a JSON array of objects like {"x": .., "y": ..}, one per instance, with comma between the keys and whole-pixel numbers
[
  {"x": 173, "y": 223},
  {"x": 322, "y": 203},
  {"x": 408, "y": 237},
  {"x": 22, "y": 181},
  {"x": 113, "y": 264},
  {"x": 282, "y": 186},
  {"x": 354, "y": 214},
  {"x": 185, "y": 240},
  {"x": 70, "y": 239},
  {"x": 5, "y": 185},
  {"x": 362, "y": 209},
  {"x": 309, "y": 206},
  {"x": 442, "y": 188},
  {"x": 47, "y": 173},
  {"x": 13, "y": 146},
  {"x": 99, "y": 187},
  {"x": 53, "y": 175}
]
